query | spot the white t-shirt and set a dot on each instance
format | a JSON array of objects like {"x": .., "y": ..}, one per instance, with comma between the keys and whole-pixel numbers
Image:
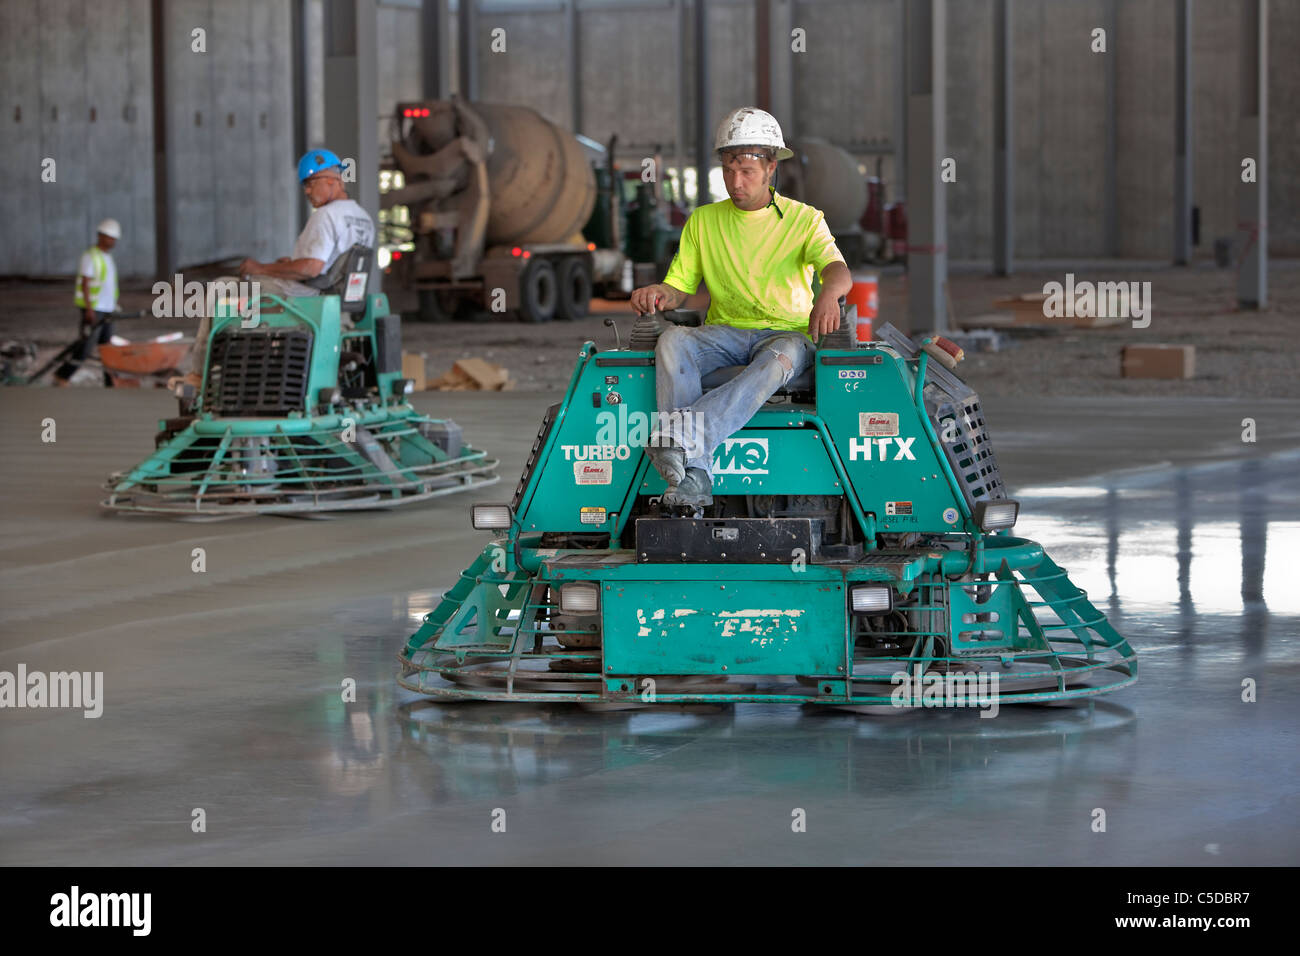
[
  {"x": 106, "y": 298},
  {"x": 332, "y": 230}
]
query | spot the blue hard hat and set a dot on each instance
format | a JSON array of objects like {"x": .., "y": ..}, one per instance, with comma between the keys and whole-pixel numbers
[{"x": 313, "y": 161}]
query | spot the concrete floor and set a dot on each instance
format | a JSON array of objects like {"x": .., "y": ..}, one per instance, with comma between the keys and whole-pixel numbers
[{"x": 222, "y": 688}]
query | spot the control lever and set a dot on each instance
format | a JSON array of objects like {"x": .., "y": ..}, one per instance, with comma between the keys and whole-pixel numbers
[{"x": 618, "y": 342}]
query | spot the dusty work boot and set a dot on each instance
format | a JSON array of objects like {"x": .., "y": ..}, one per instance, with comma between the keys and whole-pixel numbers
[
  {"x": 695, "y": 490},
  {"x": 669, "y": 459}
]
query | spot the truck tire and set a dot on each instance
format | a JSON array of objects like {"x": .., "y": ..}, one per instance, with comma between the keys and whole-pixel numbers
[
  {"x": 573, "y": 279},
  {"x": 853, "y": 247},
  {"x": 537, "y": 292},
  {"x": 437, "y": 306}
]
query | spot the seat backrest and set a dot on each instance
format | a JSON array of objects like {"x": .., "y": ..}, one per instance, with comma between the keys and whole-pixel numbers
[{"x": 348, "y": 277}]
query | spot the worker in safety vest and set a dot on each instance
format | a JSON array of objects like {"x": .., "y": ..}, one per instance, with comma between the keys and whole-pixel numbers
[
  {"x": 757, "y": 252},
  {"x": 96, "y": 297}
]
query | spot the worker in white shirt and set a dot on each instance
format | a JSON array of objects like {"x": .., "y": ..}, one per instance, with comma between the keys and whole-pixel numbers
[
  {"x": 336, "y": 224},
  {"x": 96, "y": 298}
]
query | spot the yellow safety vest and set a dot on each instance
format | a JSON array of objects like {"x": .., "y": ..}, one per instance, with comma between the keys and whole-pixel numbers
[{"x": 101, "y": 273}]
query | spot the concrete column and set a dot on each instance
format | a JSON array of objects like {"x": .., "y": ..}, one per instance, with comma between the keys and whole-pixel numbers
[
  {"x": 703, "y": 132},
  {"x": 679, "y": 49},
  {"x": 1182, "y": 132},
  {"x": 1252, "y": 198},
  {"x": 434, "y": 35},
  {"x": 927, "y": 215},
  {"x": 352, "y": 95},
  {"x": 467, "y": 48},
  {"x": 1004, "y": 185},
  {"x": 900, "y": 101},
  {"x": 1110, "y": 175},
  {"x": 164, "y": 163},
  {"x": 299, "y": 46}
]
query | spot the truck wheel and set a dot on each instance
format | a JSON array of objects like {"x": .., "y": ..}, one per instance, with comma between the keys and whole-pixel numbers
[
  {"x": 853, "y": 249},
  {"x": 437, "y": 306},
  {"x": 538, "y": 292},
  {"x": 574, "y": 280}
]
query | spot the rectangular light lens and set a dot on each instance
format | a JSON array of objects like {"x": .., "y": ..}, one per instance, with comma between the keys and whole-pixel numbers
[
  {"x": 491, "y": 517},
  {"x": 871, "y": 600},
  {"x": 579, "y": 598},
  {"x": 993, "y": 515}
]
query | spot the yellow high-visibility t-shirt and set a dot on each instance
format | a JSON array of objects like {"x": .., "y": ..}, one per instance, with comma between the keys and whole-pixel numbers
[{"x": 758, "y": 266}]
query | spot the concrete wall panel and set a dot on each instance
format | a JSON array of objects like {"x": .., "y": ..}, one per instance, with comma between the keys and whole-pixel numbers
[
  {"x": 731, "y": 60},
  {"x": 1283, "y": 129},
  {"x": 1073, "y": 131},
  {"x": 235, "y": 184},
  {"x": 844, "y": 83},
  {"x": 629, "y": 81},
  {"x": 1145, "y": 162},
  {"x": 400, "y": 71},
  {"x": 533, "y": 68},
  {"x": 970, "y": 129},
  {"x": 191, "y": 144},
  {"x": 21, "y": 202},
  {"x": 63, "y": 131},
  {"x": 1216, "y": 161}
]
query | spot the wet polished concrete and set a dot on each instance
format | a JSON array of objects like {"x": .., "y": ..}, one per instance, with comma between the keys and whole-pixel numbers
[{"x": 223, "y": 688}]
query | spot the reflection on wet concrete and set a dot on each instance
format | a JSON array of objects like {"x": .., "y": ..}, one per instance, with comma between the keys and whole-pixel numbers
[
  {"x": 1197, "y": 570},
  {"x": 1195, "y": 539},
  {"x": 519, "y": 747}
]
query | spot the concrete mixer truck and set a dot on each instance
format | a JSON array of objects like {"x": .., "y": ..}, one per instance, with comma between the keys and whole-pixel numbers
[
  {"x": 825, "y": 176},
  {"x": 496, "y": 198}
]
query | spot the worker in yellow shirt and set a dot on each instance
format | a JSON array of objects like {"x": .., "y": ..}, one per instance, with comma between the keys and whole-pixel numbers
[{"x": 757, "y": 252}]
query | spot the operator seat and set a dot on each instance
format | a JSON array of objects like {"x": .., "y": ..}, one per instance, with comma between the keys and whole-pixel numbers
[
  {"x": 803, "y": 382},
  {"x": 348, "y": 277}
]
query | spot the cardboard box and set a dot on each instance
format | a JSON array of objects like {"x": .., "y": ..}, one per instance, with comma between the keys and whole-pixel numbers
[
  {"x": 413, "y": 368},
  {"x": 486, "y": 375},
  {"x": 1027, "y": 309},
  {"x": 1158, "y": 361},
  {"x": 474, "y": 374}
]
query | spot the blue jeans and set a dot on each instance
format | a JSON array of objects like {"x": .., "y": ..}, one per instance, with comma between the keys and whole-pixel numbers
[{"x": 685, "y": 355}]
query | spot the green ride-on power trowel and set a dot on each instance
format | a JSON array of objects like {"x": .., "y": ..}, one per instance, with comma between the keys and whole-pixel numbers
[
  {"x": 301, "y": 408},
  {"x": 857, "y": 553}
]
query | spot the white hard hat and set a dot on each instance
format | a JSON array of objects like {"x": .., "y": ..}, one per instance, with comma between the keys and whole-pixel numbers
[
  {"x": 110, "y": 227},
  {"x": 748, "y": 126}
]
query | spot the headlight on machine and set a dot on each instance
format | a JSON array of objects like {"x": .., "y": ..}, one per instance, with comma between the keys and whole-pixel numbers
[
  {"x": 491, "y": 517},
  {"x": 579, "y": 599},
  {"x": 871, "y": 599},
  {"x": 995, "y": 515}
]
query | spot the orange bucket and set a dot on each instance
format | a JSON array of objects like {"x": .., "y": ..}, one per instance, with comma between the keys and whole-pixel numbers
[{"x": 864, "y": 295}]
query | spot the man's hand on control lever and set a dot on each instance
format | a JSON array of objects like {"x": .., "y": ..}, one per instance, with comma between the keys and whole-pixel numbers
[
  {"x": 825, "y": 316},
  {"x": 654, "y": 298}
]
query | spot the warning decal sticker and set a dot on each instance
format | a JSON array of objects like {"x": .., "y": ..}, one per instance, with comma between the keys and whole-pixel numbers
[
  {"x": 593, "y": 472},
  {"x": 877, "y": 424}
]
